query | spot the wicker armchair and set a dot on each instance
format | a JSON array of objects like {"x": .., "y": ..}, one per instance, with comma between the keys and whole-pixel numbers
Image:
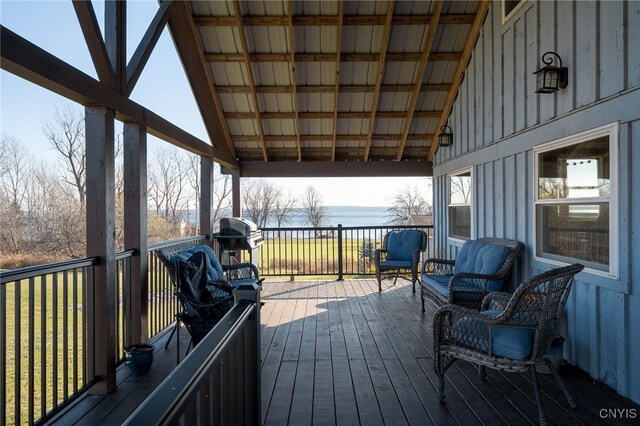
[
  {"x": 202, "y": 305},
  {"x": 400, "y": 252},
  {"x": 482, "y": 267},
  {"x": 512, "y": 333}
]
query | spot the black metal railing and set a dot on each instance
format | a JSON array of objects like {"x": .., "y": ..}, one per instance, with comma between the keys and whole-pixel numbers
[
  {"x": 332, "y": 250},
  {"x": 162, "y": 303},
  {"x": 219, "y": 381},
  {"x": 43, "y": 339},
  {"x": 123, "y": 276}
]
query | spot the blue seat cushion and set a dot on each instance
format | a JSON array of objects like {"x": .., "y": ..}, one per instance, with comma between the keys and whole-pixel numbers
[
  {"x": 439, "y": 283},
  {"x": 214, "y": 268},
  {"x": 507, "y": 342},
  {"x": 401, "y": 244},
  {"x": 481, "y": 257},
  {"x": 390, "y": 264}
]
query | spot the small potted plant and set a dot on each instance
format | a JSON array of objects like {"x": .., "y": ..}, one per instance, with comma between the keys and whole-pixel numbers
[{"x": 139, "y": 358}]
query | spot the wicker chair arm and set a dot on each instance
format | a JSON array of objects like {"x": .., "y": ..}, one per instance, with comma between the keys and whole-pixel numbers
[
  {"x": 415, "y": 259},
  {"x": 435, "y": 266},
  {"x": 379, "y": 255},
  {"x": 497, "y": 301}
]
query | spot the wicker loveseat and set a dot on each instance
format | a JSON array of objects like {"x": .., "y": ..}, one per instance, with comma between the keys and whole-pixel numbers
[{"x": 481, "y": 267}]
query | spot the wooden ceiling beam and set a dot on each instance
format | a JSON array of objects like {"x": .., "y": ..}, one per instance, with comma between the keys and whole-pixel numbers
[
  {"x": 292, "y": 70},
  {"x": 331, "y": 57},
  {"x": 341, "y": 149},
  {"x": 331, "y": 20},
  {"x": 380, "y": 72},
  {"x": 93, "y": 37},
  {"x": 336, "y": 91},
  {"x": 28, "y": 61},
  {"x": 315, "y": 138},
  {"x": 293, "y": 115},
  {"x": 198, "y": 72},
  {"x": 329, "y": 89},
  {"x": 481, "y": 13},
  {"x": 430, "y": 36},
  {"x": 247, "y": 62}
]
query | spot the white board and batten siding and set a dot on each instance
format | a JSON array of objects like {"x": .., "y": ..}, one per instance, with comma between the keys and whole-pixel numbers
[{"x": 498, "y": 119}]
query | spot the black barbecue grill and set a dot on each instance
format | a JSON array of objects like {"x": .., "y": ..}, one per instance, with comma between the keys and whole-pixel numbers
[{"x": 238, "y": 235}]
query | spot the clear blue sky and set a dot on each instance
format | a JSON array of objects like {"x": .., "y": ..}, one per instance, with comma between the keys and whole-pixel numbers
[{"x": 162, "y": 88}]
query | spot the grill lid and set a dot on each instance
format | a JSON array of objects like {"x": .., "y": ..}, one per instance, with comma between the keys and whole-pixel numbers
[{"x": 237, "y": 225}]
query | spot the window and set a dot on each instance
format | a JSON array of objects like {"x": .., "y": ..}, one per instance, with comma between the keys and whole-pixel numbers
[
  {"x": 575, "y": 199},
  {"x": 509, "y": 8},
  {"x": 460, "y": 205}
]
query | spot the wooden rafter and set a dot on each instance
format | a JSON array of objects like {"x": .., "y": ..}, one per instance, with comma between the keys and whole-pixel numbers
[
  {"x": 336, "y": 93},
  {"x": 147, "y": 44},
  {"x": 93, "y": 37},
  {"x": 332, "y": 20},
  {"x": 331, "y": 57},
  {"x": 330, "y": 88},
  {"x": 474, "y": 32},
  {"x": 430, "y": 35},
  {"x": 294, "y": 80},
  {"x": 381, "y": 62},
  {"x": 252, "y": 84},
  {"x": 417, "y": 150},
  {"x": 189, "y": 48}
]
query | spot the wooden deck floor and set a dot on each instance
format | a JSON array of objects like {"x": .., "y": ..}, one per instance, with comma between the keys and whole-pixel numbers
[{"x": 342, "y": 353}]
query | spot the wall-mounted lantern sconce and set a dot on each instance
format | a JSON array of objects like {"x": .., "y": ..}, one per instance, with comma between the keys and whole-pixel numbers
[
  {"x": 445, "y": 138},
  {"x": 551, "y": 78}
]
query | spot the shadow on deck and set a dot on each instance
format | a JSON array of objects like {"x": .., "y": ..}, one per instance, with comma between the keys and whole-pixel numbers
[{"x": 342, "y": 353}]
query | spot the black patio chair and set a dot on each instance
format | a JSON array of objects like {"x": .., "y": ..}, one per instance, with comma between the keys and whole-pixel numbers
[
  {"x": 203, "y": 287},
  {"x": 512, "y": 333}
]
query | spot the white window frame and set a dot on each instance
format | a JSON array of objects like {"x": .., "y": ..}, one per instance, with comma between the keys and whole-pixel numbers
[
  {"x": 612, "y": 131},
  {"x": 458, "y": 240},
  {"x": 505, "y": 18}
]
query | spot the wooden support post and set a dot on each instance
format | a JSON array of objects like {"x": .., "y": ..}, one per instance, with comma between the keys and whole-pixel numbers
[
  {"x": 135, "y": 230},
  {"x": 101, "y": 244},
  {"x": 206, "y": 196},
  {"x": 236, "y": 205}
]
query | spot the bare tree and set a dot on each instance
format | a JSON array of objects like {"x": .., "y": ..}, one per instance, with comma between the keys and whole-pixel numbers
[
  {"x": 408, "y": 202},
  {"x": 259, "y": 198},
  {"x": 222, "y": 194},
  {"x": 283, "y": 207},
  {"x": 312, "y": 206},
  {"x": 14, "y": 182},
  {"x": 167, "y": 184},
  {"x": 65, "y": 132}
]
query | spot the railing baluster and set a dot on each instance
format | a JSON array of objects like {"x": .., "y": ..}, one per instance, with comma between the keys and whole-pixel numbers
[
  {"x": 18, "y": 354},
  {"x": 65, "y": 338},
  {"x": 31, "y": 344},
  {"x": 43, "y": 343},
  {"x": 3, "y": 355}
]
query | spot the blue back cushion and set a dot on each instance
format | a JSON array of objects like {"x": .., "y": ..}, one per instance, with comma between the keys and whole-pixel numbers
[
  {"x": 481, "y": 257},
  {"x": 214, "y": 268},
  {"x": 401, "y": 244}
]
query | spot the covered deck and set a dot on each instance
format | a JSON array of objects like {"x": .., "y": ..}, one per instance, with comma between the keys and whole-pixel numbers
[{"x": 339, "y": 352}]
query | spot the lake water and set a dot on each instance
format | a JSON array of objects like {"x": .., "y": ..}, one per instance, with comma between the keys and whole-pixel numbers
[
  {"x": 335, "y": 215},
  {"x": 343, "y": 215}
]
